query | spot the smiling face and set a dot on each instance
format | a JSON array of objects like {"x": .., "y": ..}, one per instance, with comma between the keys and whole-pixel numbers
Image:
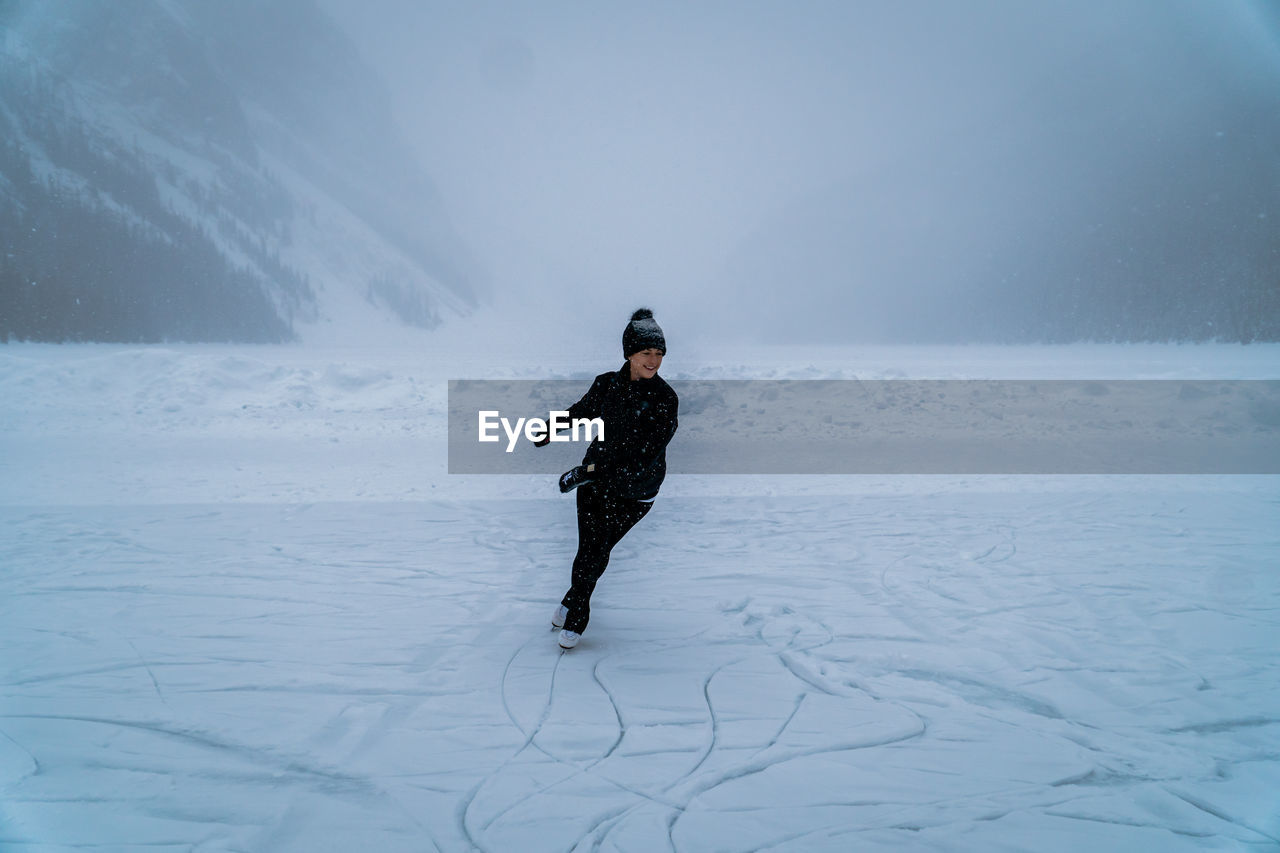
[{"x": 645, "y": 364}]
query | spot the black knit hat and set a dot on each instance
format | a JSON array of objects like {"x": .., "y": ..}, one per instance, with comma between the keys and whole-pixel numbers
[{"x": 643, "y": 332}]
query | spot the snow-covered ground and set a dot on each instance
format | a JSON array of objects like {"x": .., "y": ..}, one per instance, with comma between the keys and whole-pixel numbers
[{"x": 244, "y": 607}]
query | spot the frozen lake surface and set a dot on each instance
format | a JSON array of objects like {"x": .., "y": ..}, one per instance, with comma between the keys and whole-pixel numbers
[{"x": 245, "y": 608}]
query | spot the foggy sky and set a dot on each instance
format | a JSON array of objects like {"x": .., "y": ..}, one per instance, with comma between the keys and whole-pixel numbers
[{"x": 814, "y": 170}]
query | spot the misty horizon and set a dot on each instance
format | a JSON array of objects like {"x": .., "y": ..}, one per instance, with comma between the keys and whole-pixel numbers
[
  {"x": 838, "y": 171},
  {"x": 866, "y": 172}
]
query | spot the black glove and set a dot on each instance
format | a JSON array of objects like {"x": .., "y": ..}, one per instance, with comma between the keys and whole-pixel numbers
[{"x": 575, "y": 477}]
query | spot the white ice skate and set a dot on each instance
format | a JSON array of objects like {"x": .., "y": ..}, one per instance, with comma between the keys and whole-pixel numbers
[
  {"x": 569, "y": 639},
  {"x": 562, "y": 613}
]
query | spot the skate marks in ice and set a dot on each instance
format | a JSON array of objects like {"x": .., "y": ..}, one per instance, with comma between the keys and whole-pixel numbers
[
  {"x": 570, "y": 724},
  {"x": 1034, "y": 636},
  {"x": 652, "y": 734},
  {"x": 1044, "y": 641},
  {"x": 936, "y": 670},
  {"x": 664, "y": 730},
  {"x": 1077, "y": 639},
  {"x": 16, "y": 761},
  {"x": 176, "y": 672}
]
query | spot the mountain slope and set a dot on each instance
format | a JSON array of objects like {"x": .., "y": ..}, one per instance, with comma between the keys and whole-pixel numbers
[{"x": 178, "y": 170}]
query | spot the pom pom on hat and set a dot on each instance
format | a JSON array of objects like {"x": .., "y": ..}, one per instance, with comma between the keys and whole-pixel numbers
[{"x": 643, "y": 332}]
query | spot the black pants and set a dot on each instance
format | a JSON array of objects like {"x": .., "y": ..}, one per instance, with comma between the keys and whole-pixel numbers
[{"x": 603, "y": 519}]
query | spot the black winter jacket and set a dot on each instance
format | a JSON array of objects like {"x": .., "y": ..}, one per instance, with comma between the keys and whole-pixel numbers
[{"x": 639, "y": 420}]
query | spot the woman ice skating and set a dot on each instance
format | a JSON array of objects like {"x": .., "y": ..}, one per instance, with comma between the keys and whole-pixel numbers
[{"x": 619, "y": 476}]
